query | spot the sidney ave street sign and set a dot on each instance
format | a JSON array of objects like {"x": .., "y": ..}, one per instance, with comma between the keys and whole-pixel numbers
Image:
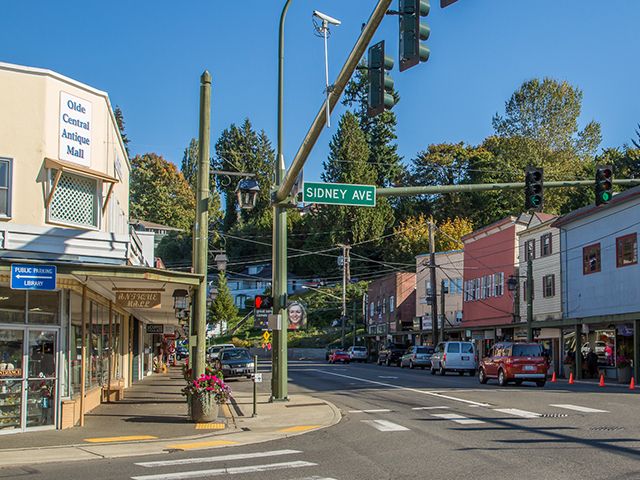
[{"x": 339, "y": 194}]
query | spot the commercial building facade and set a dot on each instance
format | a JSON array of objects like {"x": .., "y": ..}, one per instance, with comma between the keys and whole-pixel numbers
[{"x": 64, "y": 196}]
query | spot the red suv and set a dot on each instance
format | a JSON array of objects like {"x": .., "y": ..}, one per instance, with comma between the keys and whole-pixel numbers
[{"x": 515, "y": 362}]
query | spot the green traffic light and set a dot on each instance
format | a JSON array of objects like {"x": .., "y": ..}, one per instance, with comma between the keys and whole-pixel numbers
[
  {"x": 535, "y": 200},
  {"x": 606, "y": 196}
]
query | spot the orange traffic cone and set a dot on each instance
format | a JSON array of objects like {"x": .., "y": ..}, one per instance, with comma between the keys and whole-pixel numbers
[
  {"x": 553, "y": 377},
  {"x": 571, "y": 378},
  {"x": 601, "y": 380},
  {"x": 632, "y": 385}
]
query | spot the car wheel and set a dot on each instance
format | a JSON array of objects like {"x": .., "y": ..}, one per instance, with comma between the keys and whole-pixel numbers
[
  {"x": 502, "y": 378},
  {"x": 421, "y": 368},
  {"x": 433, "y": 371},
  {"x": 461, "y": 373},
  {"x": 541, "y": 383},
  {"x": 442, "y": 371},
  {"x": 347, "y": 362},
  {"x": 518, "y": 382},
  {"x": 482, "y": 377},
  {"x": 411, "y": 365},
  {"x": 472, "y": 373}
]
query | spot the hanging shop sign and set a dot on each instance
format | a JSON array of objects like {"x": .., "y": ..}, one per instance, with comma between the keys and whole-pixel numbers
[{"x": 138, "y": 299}]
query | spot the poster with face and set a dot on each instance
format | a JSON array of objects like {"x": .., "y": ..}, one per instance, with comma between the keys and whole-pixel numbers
[{"x": 297, "y": 316}]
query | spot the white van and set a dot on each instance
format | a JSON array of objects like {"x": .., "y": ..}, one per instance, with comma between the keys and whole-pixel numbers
[{"x": 454, "y": 357}]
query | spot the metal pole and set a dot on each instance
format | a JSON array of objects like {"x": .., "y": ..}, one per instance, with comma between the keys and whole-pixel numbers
[
  {"x": 442, "y": 309},
  {"x": 353, "y": 340},
  {"x": 255, "y": 387},
  {"x": 201, "y": 237},
  {"x": 530, "y": 298},
  {"x": 432, "y": 280},
  {"x": 325, "y": 27},
  {"x": 344, "y": 290},
  {"x": 516, "y": 298},
  {"x": 284, "y": 188},
  {"x": 479, "y": 187}
]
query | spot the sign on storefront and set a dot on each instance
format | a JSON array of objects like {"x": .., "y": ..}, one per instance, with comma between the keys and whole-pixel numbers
[
  {"x": 138, "y": 299},
  {"x": 161, "y": 329},
  {"x": 33, "y": 277}
]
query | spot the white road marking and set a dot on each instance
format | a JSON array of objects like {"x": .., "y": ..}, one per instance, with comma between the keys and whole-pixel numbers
[
  {"x": 578, "y": 408},
  {"x": 457, "y": 418},
  {"x": 408, "y": 389},
  {"x": 385, "y": 426},
  {"x": 219, "y": 458},
  {"x": 518, "y": 412},
  {"x": 387, "y": 376},
  {"x": 380, "y": 410},
  {"x": 315, "y": 477},
  {"x": 428, "y": 408},
  {"x": 225, "y": 471}
]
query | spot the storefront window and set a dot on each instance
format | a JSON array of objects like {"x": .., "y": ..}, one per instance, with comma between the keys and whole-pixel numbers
[
  {"x": 43, "y": 308},
  {"x": 11, "y": 353},
  {"x": 12, "y": 305}
]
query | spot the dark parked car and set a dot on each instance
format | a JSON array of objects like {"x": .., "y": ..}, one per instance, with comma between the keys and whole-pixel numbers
[
  {"x": 181, "y": 352},
  {"x": 236, "y": 362},
  {"x": 390, "y": 355}
]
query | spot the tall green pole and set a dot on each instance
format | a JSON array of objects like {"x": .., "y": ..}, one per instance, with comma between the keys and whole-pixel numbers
[
  {"x": 530, "y": 298},
  {"x": 201, "y": 230},
  {"x": 279, "y": 387}
]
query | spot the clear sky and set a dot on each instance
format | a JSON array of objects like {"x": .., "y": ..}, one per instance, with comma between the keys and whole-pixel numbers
[{"x": 148, "y": 55}]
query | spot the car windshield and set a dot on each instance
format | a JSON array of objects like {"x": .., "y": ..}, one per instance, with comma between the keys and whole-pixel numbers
[
  {"x": 527, "y": 351},
  {"x": 359, "y": 349},
  {"x": 215, "y": 349},
  {"x": 467, "y": 347},
  {"x": 340, "y": 352},
  {"x": 424, "y": 349},
  {"x": 235, "y": 355}
]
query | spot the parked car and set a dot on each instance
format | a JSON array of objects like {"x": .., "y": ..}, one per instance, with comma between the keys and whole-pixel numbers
[
  {"x": 454, "y": 357},
  {"x": 339, "y": 356},
  {"x": 417, "y": 356},
  {"x": 182, "y": 352},
  {"x": 236, "y": 362},
  {"x": 390, "y": 355},
  {"x": 213, "y": 351},
  {"x": 358, "y": 354},
  {"x": 515, "y": 362}
]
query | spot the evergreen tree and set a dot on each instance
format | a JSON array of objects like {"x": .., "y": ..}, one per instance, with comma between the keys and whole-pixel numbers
[
  {"x": 189, "y": 165},
  {"x": 222, "y": 308},
  {"x": 120, "y": 122}
]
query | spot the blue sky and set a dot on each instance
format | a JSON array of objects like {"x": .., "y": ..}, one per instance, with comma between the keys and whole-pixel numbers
[{"x": 148, "y": 55}]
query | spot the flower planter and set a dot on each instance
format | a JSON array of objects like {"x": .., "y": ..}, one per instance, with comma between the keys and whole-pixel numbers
[
  {"x": 203, "y": 408},
  {"x": 624, "y": 374}
]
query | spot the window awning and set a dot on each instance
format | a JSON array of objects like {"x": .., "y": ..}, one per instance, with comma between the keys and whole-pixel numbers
[{"x": 62, "y": 166}]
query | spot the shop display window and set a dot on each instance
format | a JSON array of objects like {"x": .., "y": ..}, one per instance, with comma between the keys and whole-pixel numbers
[
  {"x": 12, "y": 305},
  {"x": 11, "y": 344},
  {"x": 43, "y": 308},
  {"x": 10, "y": 404}
]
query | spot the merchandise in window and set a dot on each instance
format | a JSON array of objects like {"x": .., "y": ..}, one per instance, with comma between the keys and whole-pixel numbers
[
  {"x": 627, "y": 250},
  {"x": 591, "y": 259}
]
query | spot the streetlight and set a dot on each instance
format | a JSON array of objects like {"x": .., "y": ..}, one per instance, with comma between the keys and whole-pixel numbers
[
  {"x": 247, "y": 193},
  {"x": 221, "y": 260}
]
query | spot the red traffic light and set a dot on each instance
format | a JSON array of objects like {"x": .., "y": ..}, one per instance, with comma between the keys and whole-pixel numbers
[
  {"x": 258, "y": 301},
  {"x": 262, "y": 302}
]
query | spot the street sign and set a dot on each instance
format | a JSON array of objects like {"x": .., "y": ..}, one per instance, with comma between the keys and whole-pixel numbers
[
  {"x": 339, "y": 194},
  {"x": 257, "y": 378},
  {"x": 261, "y": 317},
  {"x": 33, "y": 277}
]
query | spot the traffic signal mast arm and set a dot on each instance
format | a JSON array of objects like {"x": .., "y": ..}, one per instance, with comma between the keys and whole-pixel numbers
[{"x": 479, "y": 187}]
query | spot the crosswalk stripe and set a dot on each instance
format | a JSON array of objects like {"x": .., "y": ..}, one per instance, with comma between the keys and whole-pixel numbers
[
  {"x": 385, "y": 426},
  {"x": 218, "y": 458},
  {"x": 578, "y": 408},
  {"x": 379, "y": 410},
  {"x": 225, "y": 471},
  {"x": 428, "y": 408},
  {"x": 457, "y": 418},
  {"x": 518, "y": 412}
]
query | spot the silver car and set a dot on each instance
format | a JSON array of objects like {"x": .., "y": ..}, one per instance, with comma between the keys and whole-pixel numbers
[
  {"x": 418, "y": 356},
  {"x": 358, "y": 354},
  {"x": 454, "y": 357}
]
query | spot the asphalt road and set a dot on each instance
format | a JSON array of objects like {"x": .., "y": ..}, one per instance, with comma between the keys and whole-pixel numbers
[{"x": 408, "y": 424}]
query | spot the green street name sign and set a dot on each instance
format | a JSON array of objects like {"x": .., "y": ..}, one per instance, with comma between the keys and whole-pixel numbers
[{"x": 339, "y": 194}]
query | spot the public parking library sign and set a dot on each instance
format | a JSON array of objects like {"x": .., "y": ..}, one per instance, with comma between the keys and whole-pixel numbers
[{"x": 138, "y": 299}]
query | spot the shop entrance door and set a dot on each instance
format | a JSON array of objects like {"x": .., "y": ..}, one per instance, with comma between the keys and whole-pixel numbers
[{"x": 40, "y": 390}]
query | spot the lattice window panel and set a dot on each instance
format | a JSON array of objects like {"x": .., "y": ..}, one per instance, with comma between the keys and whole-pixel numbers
[{"x": 75, "y": 200}]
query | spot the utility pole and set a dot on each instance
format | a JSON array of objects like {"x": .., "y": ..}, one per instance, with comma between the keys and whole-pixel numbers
[
  {"x": 432, "y": 281},
  {"x": 346, "y": 274},
  {"x": 442, "y": 308},
  {"x": 201, "y": 231},
  {"x": 530, "y": 298},
  {"x": 353, "y": 340}
]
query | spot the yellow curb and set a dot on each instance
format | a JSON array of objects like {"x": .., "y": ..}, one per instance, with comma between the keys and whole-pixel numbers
[
  {"x": 210, "y": 426},
  {"x": 120, "y": 439},
  {"x": 214, "y": 443},
  {"x": 299, "y": 428}
]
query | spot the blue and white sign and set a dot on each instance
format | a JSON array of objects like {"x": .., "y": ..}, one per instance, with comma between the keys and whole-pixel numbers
[{"x": 33, "y": 277}]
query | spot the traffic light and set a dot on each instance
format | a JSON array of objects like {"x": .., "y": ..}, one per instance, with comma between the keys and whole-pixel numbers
[
  {"x": 380, "y": 83},
  {"x": 263, "y": 302},
  {"x": 533, "y": 190},
  {"x": 412, "y": 31},
  {"x": 604, "y": 184}
]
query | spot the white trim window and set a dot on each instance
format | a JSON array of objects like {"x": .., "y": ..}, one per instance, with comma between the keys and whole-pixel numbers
[
  {"x": 476, "y": 289},
  {"x": 392, "y": 303},
  {"x": 486, "y": 293},
  {"x": 76, "y": 200},
  {"x": 498, "y": 278},
  {"x": 6, "y": 174}
]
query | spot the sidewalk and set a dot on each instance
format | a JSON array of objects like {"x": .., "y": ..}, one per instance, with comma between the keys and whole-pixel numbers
[{"x": 152, "y": 419}]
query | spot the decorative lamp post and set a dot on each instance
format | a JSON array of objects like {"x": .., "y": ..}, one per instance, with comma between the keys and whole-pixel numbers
[
  {"x": 221, "y": 260},
  {"x": 180, "y": 299},
  {"x": 247, "y": 192}
]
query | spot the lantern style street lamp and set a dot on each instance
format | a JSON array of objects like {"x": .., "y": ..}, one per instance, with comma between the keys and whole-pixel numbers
[{"x": 247, "y": 192}]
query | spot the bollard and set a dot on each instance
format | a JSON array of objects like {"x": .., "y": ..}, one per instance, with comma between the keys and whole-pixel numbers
[{"x": 255, "y": 386}]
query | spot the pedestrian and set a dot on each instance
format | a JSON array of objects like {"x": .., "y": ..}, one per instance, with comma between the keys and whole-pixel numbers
[{"x": 592, "y": 364}]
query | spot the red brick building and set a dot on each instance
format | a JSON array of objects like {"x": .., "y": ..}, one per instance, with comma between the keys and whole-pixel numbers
[{"x": 490, "y": 257}]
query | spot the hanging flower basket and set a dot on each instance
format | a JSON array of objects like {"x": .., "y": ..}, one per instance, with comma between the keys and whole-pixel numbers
[{"x": 204, "y": 397}]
